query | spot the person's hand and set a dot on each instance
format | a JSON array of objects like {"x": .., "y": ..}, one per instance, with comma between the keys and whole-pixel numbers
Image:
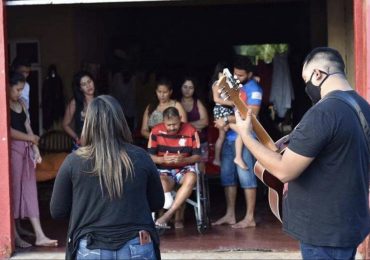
[
  {"x": 167, "y": 159},
  {"x": 38, "y": 158},
  {"x": 77, "y": 141},
  {"x": 219, "y": 123},
  {"x": 37, "y": 155},
  {"x": 34, "y": 139},
  {"x": 178, "y": 159},
  {"x": 244, "y": 126}
]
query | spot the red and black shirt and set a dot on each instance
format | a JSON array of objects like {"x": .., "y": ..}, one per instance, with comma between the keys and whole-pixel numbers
[{"x": 185, "y": 142}]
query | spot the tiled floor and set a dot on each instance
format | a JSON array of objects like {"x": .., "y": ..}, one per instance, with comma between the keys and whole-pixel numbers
[{"x": 267, "y": 236}]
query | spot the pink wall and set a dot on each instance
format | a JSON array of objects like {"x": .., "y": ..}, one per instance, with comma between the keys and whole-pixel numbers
[
  {"x": 6, "y": 235},
  {"x": 362, "y": 68}
]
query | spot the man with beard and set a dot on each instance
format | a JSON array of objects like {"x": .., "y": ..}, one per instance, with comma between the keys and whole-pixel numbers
[
  {"x": 232, "y": 174},
  {"x": 175, "y": 148},
  {"x": 326, "y": 163}
]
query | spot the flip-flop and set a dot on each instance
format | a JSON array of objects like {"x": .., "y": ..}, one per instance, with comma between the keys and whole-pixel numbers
[
  {"x": 161, "y": 228},
  {"x": 50, "y": 244}
]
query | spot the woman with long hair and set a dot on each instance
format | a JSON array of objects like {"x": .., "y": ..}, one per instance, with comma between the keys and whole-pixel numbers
[
  {"x": 83, "y": 93},
  {"x": 108, "y": 189},
  {"x": 196, "y": 113},
  {"x": 24, "y": 156},
  {"x": 153, "y": 112}
]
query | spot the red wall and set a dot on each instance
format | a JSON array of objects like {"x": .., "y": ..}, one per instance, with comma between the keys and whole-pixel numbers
[
  {"x": 6, "y": 236},
  {"x": 362, "y": 69}
]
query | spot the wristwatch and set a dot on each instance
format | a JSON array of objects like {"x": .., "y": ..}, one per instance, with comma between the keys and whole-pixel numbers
[{"x": 226, "y": 120}]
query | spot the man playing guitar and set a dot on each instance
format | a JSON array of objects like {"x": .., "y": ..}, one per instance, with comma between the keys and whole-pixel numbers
[{"x": 326, "y": 164}]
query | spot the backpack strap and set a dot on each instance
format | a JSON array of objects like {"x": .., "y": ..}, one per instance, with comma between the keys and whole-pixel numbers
[{"x": 351, "y": 102}]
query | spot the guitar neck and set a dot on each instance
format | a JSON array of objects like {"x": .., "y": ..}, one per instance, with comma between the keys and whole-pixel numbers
[{"x": 261, "y": 133}]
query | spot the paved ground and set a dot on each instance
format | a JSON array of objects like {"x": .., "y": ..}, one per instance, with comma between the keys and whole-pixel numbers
[{"x": 187, "y": 255}]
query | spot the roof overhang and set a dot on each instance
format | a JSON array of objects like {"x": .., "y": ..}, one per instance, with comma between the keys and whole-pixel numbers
[{"x": 59, "y": 2}]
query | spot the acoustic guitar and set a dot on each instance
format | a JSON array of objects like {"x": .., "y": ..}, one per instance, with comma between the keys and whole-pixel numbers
[{"x": 229, "y": 87}]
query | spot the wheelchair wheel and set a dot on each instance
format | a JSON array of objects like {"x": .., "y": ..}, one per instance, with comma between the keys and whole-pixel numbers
[{"x": 203, "y": 221}]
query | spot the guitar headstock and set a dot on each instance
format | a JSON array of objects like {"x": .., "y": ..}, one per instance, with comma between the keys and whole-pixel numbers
[{"x": 229, "y": 86}]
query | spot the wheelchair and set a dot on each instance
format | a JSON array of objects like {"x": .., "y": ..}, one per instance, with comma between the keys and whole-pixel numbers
[{"x": 199, "y": 200}]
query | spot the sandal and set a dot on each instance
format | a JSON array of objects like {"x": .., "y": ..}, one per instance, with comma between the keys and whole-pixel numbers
[{"x": 161, "y": 228}]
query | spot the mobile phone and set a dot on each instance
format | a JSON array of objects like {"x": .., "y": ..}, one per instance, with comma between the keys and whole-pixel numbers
[{"x": 144, "y": 237}]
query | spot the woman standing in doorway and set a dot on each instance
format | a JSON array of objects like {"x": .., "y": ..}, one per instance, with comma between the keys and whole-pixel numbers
[
  {"x": 153, "y": 112},
  {"x": 108, "y": 189},
  {"x": 24, "y": 156},
  {"x": 83, "y": 92}
]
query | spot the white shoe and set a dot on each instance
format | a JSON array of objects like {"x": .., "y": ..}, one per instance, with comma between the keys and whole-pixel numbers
[{"x": 168, "y": 200}]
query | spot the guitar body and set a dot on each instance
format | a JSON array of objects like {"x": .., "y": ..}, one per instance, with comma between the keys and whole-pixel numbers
[{"x": 276, "y": 187}]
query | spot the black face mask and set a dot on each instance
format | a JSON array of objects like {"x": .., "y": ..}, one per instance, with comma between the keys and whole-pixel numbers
[{"x": 313, "y": 91}]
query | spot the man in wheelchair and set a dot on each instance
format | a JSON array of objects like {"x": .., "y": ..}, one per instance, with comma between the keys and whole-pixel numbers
[{"x": 175, "y": 148}]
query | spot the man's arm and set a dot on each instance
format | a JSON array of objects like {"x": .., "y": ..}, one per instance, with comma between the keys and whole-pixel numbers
[
  {"x": 285, "y": 167},
  {"x": 157, "y": 159},
  {"x": 189, "y": 160}
]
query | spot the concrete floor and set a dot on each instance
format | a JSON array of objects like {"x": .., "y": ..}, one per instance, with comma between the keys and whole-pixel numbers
[{"x": 266, "y": 241}]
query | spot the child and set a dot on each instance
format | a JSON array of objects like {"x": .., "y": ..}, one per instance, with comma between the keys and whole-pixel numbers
[{"x": 223, "y": 109}]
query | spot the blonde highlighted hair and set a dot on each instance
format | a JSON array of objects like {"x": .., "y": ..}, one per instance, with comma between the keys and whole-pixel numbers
[{"x": 104, "y": 134}]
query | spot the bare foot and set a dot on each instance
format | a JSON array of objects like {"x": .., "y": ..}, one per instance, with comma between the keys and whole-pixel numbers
[
  {"x": 224, "y": 220},
  {"x": 161, "y": 221},
  {"x": 46, "y": 242},
  {"x": 240, "y": 163},
  {"x": 244, "y": 224},
  {"x": 216, "y": 162},
  {"x": 21, "y": 243}
]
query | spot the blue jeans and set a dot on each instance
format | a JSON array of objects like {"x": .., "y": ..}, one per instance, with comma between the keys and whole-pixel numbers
[
  {"x": 232, "y": 174},
  {"x": 311, "y": 252},
  {"x": 131, "y": 250}
]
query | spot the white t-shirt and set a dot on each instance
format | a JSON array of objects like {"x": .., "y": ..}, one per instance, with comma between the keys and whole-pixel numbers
[{"x": 26, "y": 95}]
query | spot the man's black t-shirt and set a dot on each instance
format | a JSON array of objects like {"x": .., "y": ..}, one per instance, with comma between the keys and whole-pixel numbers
[{"x": 327, "y": 205}]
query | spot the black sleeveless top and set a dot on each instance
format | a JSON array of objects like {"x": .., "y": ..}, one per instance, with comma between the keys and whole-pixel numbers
[
  {"x": 17, "y": 120},
  {"x": 79, "y": 118}
]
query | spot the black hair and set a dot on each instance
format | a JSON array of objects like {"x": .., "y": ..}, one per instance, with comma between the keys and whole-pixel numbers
[
  {"x": 161, "y": 82},
  {"x": 328, "y": 54},
  {"x": 243, "y": 63},
  {"x": 170, "y": 112},
  {"x": 220, "y": 66},
  {"x": 77, "y": 92},
  {"x": 19, "y": 62},
  {"x": 195, "y": 83},
  {"x": 15, "y": 78}
]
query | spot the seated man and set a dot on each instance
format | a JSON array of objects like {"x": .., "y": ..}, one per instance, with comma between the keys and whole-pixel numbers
[{"x": 175, "y": 148}]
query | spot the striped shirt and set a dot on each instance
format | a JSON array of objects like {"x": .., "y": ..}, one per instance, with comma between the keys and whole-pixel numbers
[{"x": 185, "y": 142}]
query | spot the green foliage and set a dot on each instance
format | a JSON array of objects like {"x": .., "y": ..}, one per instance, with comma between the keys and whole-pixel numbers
[{"x": 265, "y": 52}]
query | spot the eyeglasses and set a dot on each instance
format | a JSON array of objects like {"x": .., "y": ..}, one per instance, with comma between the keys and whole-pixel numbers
[{"x": 188, "y": 86}]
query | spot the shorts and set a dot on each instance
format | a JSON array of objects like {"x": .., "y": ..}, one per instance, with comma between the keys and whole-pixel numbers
[
  {"x": 231, "y": 174},
  {"x": 222, "y": 111},
  {"x": 177, "y": 174}
]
